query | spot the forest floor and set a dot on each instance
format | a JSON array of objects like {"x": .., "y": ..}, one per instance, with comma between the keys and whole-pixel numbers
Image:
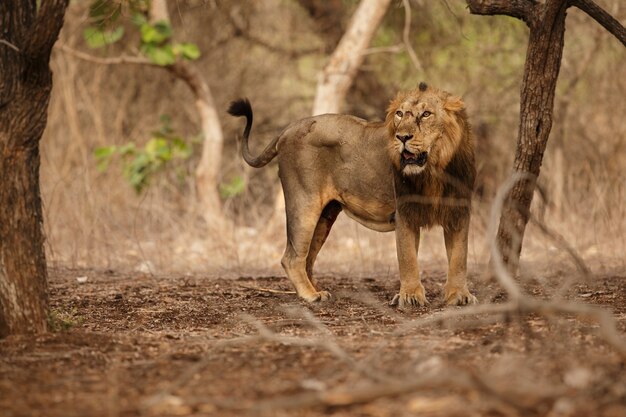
[{"x": 129, "y": 344}]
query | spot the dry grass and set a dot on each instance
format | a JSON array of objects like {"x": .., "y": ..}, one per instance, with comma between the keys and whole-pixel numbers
[{"x": 95, "y": 219}]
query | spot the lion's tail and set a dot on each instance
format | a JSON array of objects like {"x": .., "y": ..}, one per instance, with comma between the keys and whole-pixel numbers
[{"x": 242, "y": 107}]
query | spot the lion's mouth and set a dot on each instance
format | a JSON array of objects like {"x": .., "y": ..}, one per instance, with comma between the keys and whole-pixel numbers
[{"x": 409, "y": 158}]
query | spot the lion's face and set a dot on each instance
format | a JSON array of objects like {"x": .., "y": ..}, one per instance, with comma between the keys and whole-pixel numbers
[{"x": 423, "y": 129}]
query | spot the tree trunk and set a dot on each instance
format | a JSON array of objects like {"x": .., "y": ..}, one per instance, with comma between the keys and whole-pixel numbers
[
  {"x": 541, "y": 71},
  {"x": 28, "y": 35},
  {"x": 338, "y": 75},
  {"x": 336, "y": 79},
  {"x": 208, "y": 169},
  {"x": 546, "y": 21}
]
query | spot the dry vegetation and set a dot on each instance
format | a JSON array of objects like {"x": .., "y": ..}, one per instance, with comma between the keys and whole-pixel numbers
[
  {"x": 96, "y": 219},
  {"x": 177, "y": 319}
]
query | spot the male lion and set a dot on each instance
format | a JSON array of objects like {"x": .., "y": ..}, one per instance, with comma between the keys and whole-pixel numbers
[{"x": 420, "y": 160}]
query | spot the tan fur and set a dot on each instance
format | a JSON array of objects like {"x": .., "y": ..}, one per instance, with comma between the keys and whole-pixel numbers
[
  {"x": 331, "y": 163},
  {"x": 438, "y": 195}
]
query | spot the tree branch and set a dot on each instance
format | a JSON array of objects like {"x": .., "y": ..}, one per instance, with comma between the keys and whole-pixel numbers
[
  {"x": 122, "y": 59},
  {"x": 602, "y": 17},
  {"x": 405, "y": 36},
  {"x": 521, "y": 9},
  {"x": 10, "y": 45},
  {"x": 244, "y": 33}
]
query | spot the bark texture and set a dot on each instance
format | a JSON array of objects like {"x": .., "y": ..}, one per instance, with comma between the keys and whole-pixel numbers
[
  {"x": 345, "y": 61},
  {"x": 546, "y": 21},
  {"x": 541, "y": 71},
  {"x": 27, "y": 34}
]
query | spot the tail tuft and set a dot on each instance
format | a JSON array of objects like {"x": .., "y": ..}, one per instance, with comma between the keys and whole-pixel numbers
[{"x": 240, "y": 107}]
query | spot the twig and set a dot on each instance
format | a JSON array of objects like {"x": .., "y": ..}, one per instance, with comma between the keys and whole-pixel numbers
[
  {"x": 122, "y": 59},
  {"x": 405, "y": 36},
  {"x": 406, "y": 42},
  {"x": 239, "y": 30},
  {"x": 10, "y": 45},
  {"x": 327, "y": 343},
  {"x": 251, "y": 287},
  {"x": 448, "y": 379}
]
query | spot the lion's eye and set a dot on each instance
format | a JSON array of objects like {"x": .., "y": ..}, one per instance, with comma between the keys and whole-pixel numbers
[
  {"x": 426, "y": 113},
  {"x": 399, "y": 113}
]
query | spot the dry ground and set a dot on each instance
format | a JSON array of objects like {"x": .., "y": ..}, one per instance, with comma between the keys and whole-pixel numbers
[{"x": 196, "y": 345}]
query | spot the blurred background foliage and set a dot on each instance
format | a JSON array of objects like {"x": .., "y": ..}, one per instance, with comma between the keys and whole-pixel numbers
[{"x": 272, "y": 51}]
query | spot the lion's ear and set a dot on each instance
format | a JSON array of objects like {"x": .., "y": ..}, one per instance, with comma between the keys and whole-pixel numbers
[{"x": 454, "y": 104}]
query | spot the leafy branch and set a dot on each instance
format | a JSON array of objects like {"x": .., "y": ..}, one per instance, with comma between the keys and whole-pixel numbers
[
  {"x": 142, "y": 164},
  {"x": 156, "y": 42}
]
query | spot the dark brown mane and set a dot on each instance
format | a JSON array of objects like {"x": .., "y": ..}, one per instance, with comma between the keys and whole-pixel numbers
[{"x": 440, "y": 195}]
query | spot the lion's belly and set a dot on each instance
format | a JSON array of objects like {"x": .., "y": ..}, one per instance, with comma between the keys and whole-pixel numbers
[{"x": 373, "y": 213}]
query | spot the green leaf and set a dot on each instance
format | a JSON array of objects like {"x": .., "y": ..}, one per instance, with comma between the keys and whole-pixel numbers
[
  {"x": 232, "y": 189},
  {"x": 158, "y": 150},
  {"x": 189, "y": 51},
  {"x": 139, "y": 19},
  {"x": 164, "y": 28},
  {"x": 127, "y": 149},
  {"x": 137, "y": 172},
  {"x": 160, "y": 55},
  {"x": 104, "y": 152},
  {"x": 97, "y": 38},
  {"x": 180, "y": 148},
  {"x": 156, "y": 33},
  {"x": 103, "y": 156}
]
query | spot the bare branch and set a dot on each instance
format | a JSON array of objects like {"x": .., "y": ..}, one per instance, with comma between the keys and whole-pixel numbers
[
  {"x": 122, "y": 59},
  {"x": 521, "y": 9},
  {"x": 244, "y": 33},
  {"x": 405, "y": 36},
  {"x": 10, "y": 45},
  {"x": 394, "y": 49},
  {"x": 343, "y": 397},
  {"x": 406, "y": 43},
  {"x": 602, "y": 17},
  {"x": 269, "y": 290},
  {"x": 327, "y": 342}
]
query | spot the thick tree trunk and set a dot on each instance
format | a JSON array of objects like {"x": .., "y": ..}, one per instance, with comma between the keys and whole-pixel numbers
[
  {"x": 336, "y": 79},
  {"x": 541, "y": 71},
  {"x": 25, "y": 84},
  {"x": 546, "y": 21}
]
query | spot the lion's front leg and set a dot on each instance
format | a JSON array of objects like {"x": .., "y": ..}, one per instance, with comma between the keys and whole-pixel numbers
[
  {"x": 455, "y": 289},
  {"x": 412, "y": 291}
]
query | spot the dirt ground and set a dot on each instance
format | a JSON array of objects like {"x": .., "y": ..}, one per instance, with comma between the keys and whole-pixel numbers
[{"x": 129, "y": 344}]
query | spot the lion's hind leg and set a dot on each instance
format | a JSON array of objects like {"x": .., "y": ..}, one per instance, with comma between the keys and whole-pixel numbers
[
  {"x": 324, "y": 224},
  {"x": 302, "y": 219}
]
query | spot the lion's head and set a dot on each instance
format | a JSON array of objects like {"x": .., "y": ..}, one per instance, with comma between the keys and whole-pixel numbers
[{"x": 426, "y": 126}]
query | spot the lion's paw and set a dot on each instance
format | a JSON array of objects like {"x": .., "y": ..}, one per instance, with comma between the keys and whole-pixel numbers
[
  {"x": 318, "y": 297},
  {"x": 417, "y": 299},
  {"x": 459, "y": 297}
]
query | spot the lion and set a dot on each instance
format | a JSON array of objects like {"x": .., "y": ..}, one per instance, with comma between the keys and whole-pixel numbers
[{"x": 416, "y": 169}]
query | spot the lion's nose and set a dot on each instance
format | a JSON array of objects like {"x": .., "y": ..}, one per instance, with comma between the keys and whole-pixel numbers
[{"x": 404, "y": 138}]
